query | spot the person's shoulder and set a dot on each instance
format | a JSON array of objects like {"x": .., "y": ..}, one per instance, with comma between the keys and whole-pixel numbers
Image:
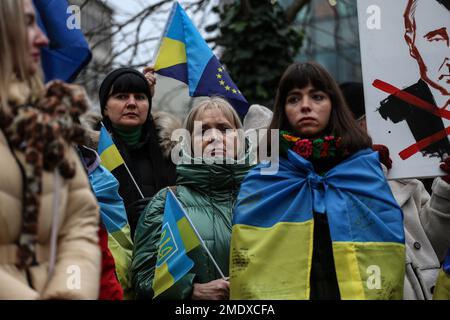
[{"x": 165, "y": 125}]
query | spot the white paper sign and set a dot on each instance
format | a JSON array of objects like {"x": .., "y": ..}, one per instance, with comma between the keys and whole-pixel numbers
[{"x": 405, "y": 53}]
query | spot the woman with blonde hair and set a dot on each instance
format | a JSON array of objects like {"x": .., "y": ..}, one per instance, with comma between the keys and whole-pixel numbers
[
  {"x": 208, "y": 181},
  {"x": 49, "y": 216}
]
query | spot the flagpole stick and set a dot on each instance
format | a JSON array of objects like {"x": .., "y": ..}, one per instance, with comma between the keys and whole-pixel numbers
[
  {"x": 129, "y": 172},
  {"x": 134, "y": 181},
  {"x": 158, "y": 47},
  {"x": 199, "y": 237}
]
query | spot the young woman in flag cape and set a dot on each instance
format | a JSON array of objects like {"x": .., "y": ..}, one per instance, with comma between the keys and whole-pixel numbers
[
  {"x": 207, "y": 191},
  {"x": 325, "y": 226},
  {"x": 49, "y": 216}
]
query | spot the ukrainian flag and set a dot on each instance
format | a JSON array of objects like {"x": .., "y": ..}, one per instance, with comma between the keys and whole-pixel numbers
[
  {"x": 108, "y": 151},
  {"x": 442, "y": 289},
  {"x": 114, "y": 217},
  {"x": 68, "y": 52},
  {"x": 273, "y": 225},
  {"x": 184, "y": 55},
  {"x": 177, "y": 239}
]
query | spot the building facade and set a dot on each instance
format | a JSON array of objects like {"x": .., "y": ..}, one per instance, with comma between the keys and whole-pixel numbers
[
  {"x": 96, "y": 24},
  {"x": 331, "y": 36}
]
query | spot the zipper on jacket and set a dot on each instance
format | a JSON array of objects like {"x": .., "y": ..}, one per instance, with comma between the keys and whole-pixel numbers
[{"x": 22, "y": 171}]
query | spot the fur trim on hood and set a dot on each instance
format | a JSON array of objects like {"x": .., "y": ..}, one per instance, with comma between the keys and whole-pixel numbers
[{"x": 165, "y": 124}]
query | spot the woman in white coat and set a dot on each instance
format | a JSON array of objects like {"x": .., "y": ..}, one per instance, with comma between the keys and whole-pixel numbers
[{"x": 426, "y": 217}]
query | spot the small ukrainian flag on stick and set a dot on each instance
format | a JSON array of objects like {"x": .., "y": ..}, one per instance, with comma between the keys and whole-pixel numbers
[
  {"x": 178, "y": 237},
  {"x": 108, "y": 151},
  {"x": 110, "y": 156}
]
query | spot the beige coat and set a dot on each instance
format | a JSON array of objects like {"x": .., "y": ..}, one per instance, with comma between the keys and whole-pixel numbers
[{"x": 77, "y": 270}]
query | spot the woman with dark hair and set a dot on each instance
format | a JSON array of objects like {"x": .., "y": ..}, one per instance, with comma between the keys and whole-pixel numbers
[
  {"x": 125, "y": 101},
  {"x": 325, "y": 225}
]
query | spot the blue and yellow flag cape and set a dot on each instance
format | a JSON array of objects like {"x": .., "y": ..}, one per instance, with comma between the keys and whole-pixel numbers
[
  {"x": 184, "y": 55},
  {"x": 114, "y": 217},
  {"x": 68, "y": 52},
  {"x": 177, "y": 239},
  {"x": 442, "y": 289},
  {"x": 108, "y": 151},
  {"x": 272, "y": 237}
]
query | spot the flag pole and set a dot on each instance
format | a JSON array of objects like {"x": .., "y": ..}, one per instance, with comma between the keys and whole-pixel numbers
[
  {"x": 169, "y": 21},
  {"x": 199, "y": 237},
  {"x": 129, "y": 172}
]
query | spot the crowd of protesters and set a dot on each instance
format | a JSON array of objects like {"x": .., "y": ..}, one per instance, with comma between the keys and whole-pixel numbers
[{"x": 311, "y": 230}]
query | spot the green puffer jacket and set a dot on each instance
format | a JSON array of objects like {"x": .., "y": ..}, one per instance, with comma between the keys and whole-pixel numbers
[{"x": 208, "y": 194}]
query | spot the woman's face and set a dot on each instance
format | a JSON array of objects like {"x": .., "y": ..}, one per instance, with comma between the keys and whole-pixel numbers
[
  {"x": 36, "y": 38},
  {"x": 127, "y": 110},
  {"x": 308, "y": 111},
  {"x": 216, "y": 131}
]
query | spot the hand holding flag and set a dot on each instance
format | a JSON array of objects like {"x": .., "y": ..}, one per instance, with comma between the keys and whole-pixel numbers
[{"x": 178, "y": 237}]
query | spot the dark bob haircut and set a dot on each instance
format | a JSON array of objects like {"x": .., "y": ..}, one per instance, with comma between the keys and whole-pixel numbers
[
  {"x": 130, "y": 83},
  {"x": 341, "y": 123}
]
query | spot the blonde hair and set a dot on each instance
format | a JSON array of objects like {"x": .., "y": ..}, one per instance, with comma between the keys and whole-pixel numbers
[
  {"x": 14, "y": 50},
  {"x": 212, "y": 103}
]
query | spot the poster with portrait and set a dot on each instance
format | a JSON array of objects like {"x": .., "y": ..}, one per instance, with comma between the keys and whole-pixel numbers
[{"x": 405, "y": 56}]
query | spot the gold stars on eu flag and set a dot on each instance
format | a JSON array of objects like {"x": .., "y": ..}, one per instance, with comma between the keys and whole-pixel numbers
[{"x": 223, "y": 83}]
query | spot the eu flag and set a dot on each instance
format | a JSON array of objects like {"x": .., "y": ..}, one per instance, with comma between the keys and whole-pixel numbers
[
  {"x": 68, "y": 52},
  {"x": 177, "y": 239},
  {"x": 184, "y": 55}
]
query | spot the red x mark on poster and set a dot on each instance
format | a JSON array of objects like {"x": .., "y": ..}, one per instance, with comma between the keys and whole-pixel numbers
[{"x": 411, "y": 99}]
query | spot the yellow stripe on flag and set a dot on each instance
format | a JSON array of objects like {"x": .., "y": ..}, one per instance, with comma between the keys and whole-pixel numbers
[
  {"x": 442, "y": 288},
  {"x": 163, "y": 280},
  {"x": 269, "y": 276},
  {"x": 347, "y": 271},
  {"x": 370, "y": 270},
  {"x": 111, "y": 158},
  {"x": 187, "y": 234},
  {"x": 171, "y": 53}
]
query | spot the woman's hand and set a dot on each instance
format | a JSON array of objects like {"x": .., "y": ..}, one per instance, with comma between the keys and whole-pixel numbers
[
  {"x": 215, "y": 290},
  {"x": 446, "y": 167},
  {"x": 149, "y": 73}
]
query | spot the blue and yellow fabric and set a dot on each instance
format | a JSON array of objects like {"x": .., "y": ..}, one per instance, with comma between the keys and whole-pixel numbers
[
  {"x": 114, "y": 217},
  {"x": 271, "y": 246},
  {"x": 108, "y": 151},
  {"x": 184, "y": 55},
  {"x": 177, "y": 239},
  {"x": 442, "y": 288}
]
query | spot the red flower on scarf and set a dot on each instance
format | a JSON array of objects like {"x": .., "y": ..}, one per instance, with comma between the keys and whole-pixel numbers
[{"x": 303, "y": 147}]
